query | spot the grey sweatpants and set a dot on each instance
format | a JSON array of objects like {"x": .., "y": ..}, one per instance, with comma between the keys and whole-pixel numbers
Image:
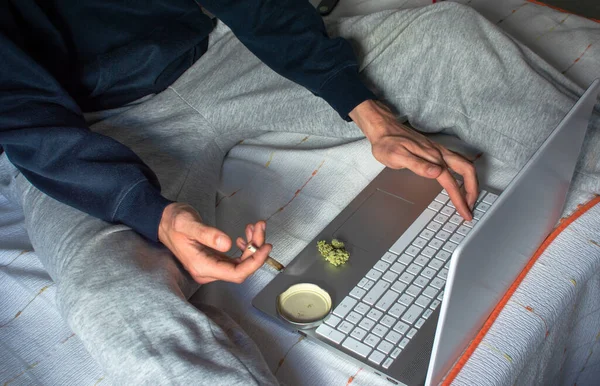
[{"x": 443, "y": 66}]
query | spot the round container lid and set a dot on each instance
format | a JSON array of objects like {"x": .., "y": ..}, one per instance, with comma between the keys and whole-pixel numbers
[{"x": 304, "y": 304}]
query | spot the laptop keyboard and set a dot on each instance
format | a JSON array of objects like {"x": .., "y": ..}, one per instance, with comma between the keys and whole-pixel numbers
[{"x": 388, "y": 306}]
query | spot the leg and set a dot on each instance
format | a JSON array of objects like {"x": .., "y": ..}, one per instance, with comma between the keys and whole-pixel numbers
[
  {"x": 125, "y": 297},
  {"x": 445, "y": 67}
]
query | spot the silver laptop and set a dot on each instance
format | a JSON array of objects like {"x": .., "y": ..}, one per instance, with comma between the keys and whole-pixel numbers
[{"x": 420, "y": 281}]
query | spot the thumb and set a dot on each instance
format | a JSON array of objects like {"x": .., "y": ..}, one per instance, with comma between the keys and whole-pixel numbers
[{"x": 210, "y": 237}]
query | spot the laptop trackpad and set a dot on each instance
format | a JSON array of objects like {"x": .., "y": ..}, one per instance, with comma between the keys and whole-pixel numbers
[{"x": 378, "y": 222}]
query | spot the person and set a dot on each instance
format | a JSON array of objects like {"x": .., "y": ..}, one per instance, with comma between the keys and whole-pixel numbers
[{"x": 103, "y": 102}]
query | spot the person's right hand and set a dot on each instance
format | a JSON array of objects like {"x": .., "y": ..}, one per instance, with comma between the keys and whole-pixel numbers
[{"x": 200, "y": 247}]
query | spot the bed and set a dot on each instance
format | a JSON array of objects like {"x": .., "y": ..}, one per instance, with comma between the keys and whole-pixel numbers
[{"x": 548, "y": 331}]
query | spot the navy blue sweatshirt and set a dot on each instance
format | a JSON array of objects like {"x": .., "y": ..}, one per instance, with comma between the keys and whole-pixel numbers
[{"x": 59, "y": 58}]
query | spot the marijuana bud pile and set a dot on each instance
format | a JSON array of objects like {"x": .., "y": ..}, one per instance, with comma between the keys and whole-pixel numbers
[{"x": 334, "y": 253}]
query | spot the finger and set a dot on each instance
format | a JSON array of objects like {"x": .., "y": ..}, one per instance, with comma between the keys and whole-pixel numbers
[
  {"x": 252, "y": 263},
  {"x": 467, "y": 170},
  {"x": 210, "y": 237},
  {"x": 449, "y": 183},
  {"x": 232, "y": 271},
  {"x": 249, "y": 232},
  {"x": 422, "y": 167},
  {"x": 258, "y": 238},
  {"x": 241, "y": 244}
]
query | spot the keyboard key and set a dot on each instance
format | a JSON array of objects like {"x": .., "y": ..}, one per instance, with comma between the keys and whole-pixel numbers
[
  {"x": 443, "y": 273},
  {"x": 397, "y": 310},
  {"x": 387, "y": 363},
  {"x": 401, "y": 327},
  {"x": 481, "y": 195},
  {"x": 393, "y": 337},
  {"x": 380, "y": 330},
  {"x": 403, "y": 343},
  {"x": 370, "y": 283},
  {"x": 345, "y": 327},
  {"x": 477, "y": 214},
  {"x": 450, "y": 246},
  {"x": 375, "y": 293},
  {"x": 373, "y": 274},
  {"x": 413, "y": 230},
  {"x": 436, "y": 243},
  {"x": 426, "y": 234},
  {"x": 385, "y": 347},
  {"x": 390, "y": 276},
  {"x": 354, "y": 317},
  {"x": 413, "y": 269},
  {"x": 428, "y": 251},
  {"x": 441, "y": 218},
  {"x": 356, "y": 347},
  {"x": 397, "y": 268},
  {"x": 333, "y": 320},
  {"x": 435, "y": 264},
  {"x": 411, "y": 315},
  {"x": 399, "y": 286},
  {"x": 387, "y": 300},
  {"x": 358, "y": 292},
  {"x": 406, "y": 299},
  {"x": 396, "y": 352},
  {"x": 427, "y": 313},
  {"x": 388, "y": 321},
  {"x": 406, "y": 277},
  {"x": 430, "y": 292},
  {"x": 367, "y": 324},
  {"x": 490, "y": 198},
  {"x": 456, "y": 238},
  {"x": 381, "y": 266},
  {"x": 434, "y": 226},
  {"x": 440, "y": 296},
  {"x": 374, "y": 314},
  {"x": 413, "y": 250},
  {"x": 405, "y": 259},
  {"x": 443, "y": 198},
  {"x": 420, "y": 242},
  {"x": 362, "y": 282},
  {"x": 442, "y": 235},
  {"x": 413, "y": 290},
  {"x": 438, "y": 283},
  {"x": 463, "y": 230},
  {"x": 372, "y": 340},
  {"x": 411, "y": 333},
  {"x": 422, "y": 301},
  {"x": 345, "y": 306},
  {"x": 361, "y": 308},
  {"x": 358, "y": 333},
  {"x": 448, "y": 211},
  {"x": 436, "y": 206},
  {"x": 329, "y": 333},
  {"x": 434, "y": 304},
  {"x": 471, "y": 223},
  {"x": 389, "y": 257},
  {"x": 422, "y": 260},
  {"x": 377, "y": 357},
  {"x": 482, "y": 206},
  {"x": 443, "y": 255},
  {"x": 428, "y": 273},
  {"x": 456, "y": 219},
  {"x": 420, "y": 323},
  {"x": 421, "y": 281},
  {"x": 449, "y": 227}
]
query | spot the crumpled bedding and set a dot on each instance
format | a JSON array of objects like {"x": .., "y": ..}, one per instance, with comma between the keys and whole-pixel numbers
[{"x": 547, "y": 334}]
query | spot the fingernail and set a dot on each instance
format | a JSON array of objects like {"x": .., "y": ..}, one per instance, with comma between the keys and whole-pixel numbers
[
  {"x": 263, "y": 226},
  {"x": 252, "y": 227},
  {"x": 219, "y": 241}
]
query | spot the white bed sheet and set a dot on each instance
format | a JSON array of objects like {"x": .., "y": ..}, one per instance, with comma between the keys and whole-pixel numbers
[{"x": 304, "y": 183}]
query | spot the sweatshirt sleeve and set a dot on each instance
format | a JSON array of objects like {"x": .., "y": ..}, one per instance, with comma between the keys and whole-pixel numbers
[
  {"x": 45, "y": 136},
  {"x": 289, "y": 36}
]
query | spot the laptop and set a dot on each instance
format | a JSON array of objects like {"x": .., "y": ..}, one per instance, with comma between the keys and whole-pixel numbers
[{"x": 420, "y": 281}]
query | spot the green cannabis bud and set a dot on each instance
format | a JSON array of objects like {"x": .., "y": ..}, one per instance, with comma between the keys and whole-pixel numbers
[{"x": 334, "y": 253}]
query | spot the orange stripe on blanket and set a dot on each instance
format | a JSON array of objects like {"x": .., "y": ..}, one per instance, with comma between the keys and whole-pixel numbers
[
  {"x": 560, "y": 9},
  {"x": 494, "y": 315}
]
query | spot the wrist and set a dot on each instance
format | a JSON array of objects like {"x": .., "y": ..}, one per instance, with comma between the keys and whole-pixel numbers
[
  {"x": 370, "y": 116},
  {"x": 166, "y": 221}
]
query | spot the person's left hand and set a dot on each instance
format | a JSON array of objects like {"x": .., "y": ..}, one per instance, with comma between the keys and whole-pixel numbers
[{"x": 398, "y": 146}]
